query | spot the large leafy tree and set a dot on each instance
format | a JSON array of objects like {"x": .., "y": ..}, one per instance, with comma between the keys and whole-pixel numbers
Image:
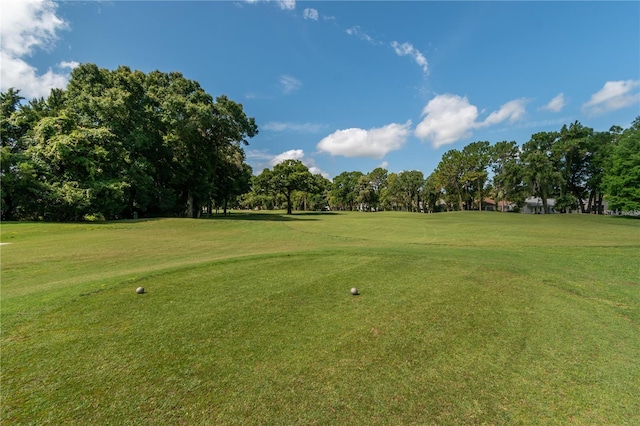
[
  {"x": 600, "y": 146},
  {"x": 507, "y": 173},
  {"x": 118, "y": 142},
  {"x": 476, "y": 159},
  {"x": 371, "y": 188},
  {"x": 345, "y": 190},
  {"x": 262, "y": 195},
  {"x": 540, "y": 172},
  {"x": 407, "y": 188},
  {"x": 289, "y": 176},
  {"x": 573, "y": 155},
  {"x": 232, "y": 179},
  {"x": 430, "y": 194},
  {"x": 11, "y": 153},
  {"x": 317, "y": 196},
  {"x": 622, "y": 179},
  {"x": 448, "y": 178}
]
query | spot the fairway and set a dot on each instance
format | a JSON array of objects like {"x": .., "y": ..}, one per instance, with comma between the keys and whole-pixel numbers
[{"x": 462, "y": 318}]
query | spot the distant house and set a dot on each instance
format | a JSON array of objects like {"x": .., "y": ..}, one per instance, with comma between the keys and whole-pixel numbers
[
  {"x": 489, "y": 205},
  {"x": 534, "y": 205}
]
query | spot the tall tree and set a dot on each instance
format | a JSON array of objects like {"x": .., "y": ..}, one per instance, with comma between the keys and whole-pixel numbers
[
  {"x": 289, "y": 176},
  {"x": 11, "y": 153},
  {"x": 540, "y": 172},
  {"x": 622, "y": 179},
  {"x": 476, "y": 158},
  {"x": 431, "y": 194},
  {"x": 317, "y": 197},
  {"x": 344, "y": 191},
  {"x": 600, "y": 146},
  {"x": 507, "y": 173},
  {"x": 262, "y": 193},
  {"x": 118, "y": 142},
  {"x": 573, "y": 155},
  {"x": 407, "y": 188},
  {"x": 448, "y": 177},
  {"x": 378, "y": 180}
]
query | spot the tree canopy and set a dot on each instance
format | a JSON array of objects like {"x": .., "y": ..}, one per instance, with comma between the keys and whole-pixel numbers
[
  {"x": 118, "y": 143},
  {"x": 122, "y": 143}
]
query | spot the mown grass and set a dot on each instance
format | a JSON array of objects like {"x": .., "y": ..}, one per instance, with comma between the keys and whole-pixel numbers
[{"x": 463, "y": 318}]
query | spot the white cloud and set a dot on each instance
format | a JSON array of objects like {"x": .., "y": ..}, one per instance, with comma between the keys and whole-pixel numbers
[
  {"x": 383, "y": 165},
  {"x": 512, "y": 110},
  {"x": 27, "y": 25},
  {"x": 449, "y": 118},
  {"x": 69, "y": 64},
  {"x": 257, "y": 155},
  {"x": 282, "y": 4},
  {"x": 357, "y": 32},
  {"x": 556, "y": 104},
  {"x": 373, "y": 143},
  {"x": 613, "y": 95},
  {"x": 310, "y": 13},
  {"x": 262, "y": 159},
  {"x": 287, "y": 4},
  {"x": 292, "y": 154},
  {"x": 279, "y": 126},
  {"x": 298, "y": 154},
  {"x": 289, "y": 83},
  {"x": 407, "y": 49}
]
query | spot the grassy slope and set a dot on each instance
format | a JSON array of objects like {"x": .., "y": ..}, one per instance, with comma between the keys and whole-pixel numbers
[{"x": 463, "y": 318}]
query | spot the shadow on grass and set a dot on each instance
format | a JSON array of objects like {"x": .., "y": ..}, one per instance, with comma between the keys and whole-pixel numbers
[
  {"x": 626, "y": 217},
  {"x": 270, "y": 216},
  {"x": 236, "y": 215}
]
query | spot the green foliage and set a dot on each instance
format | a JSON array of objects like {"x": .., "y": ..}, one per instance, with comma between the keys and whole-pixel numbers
[
  {"x": 345, "y": 190},
  {"x": 289, "y": 176},
  {"x": 406, "y": 189},
  {"x": 291, "y": 183},
  {"x": 622, "y": 179},
  {"x": 541, "y": 175},
  {"x": 118, "y": 142},
  {"x": 507, "y": 173}
]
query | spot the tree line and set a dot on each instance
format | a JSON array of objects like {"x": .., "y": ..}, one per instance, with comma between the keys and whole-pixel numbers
[
  {"x": 120, "y": 144},
  {"x": 576, "y": 166}
]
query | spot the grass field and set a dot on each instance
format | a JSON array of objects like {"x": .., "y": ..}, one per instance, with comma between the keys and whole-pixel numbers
[{"x": 463, "y": 318}]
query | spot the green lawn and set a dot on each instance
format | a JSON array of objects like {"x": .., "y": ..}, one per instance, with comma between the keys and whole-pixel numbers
[{"x": 463, "y": 318}]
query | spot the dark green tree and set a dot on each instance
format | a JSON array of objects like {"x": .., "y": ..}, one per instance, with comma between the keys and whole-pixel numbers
[
  {"x": 289, "y": 176},
  {"x": 345, "y": 190},
  {"x": 507, "y": 182},
  {"x": 573, "y": 156},
  {"x": 600, "y": 146},
  {"x": 407, "y": 188},
  {"x": 476, "y": 159},
  {"x": 621, "y": 182},
  {"x": 540, "y": 172},
  {"x": 448, "y": 178}
]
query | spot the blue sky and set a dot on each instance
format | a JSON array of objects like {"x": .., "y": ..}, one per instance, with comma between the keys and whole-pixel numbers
[{"x": 348, "y": 86}]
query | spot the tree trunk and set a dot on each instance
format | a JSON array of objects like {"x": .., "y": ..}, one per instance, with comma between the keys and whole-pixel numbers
[
  {"x": 460, "y": 203},
  {"x": 189, "y": 205},
  {"x": 288, "y": 203},
  {"x": 600, "y": 209},
  {"x": 592, "y": 197}
]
